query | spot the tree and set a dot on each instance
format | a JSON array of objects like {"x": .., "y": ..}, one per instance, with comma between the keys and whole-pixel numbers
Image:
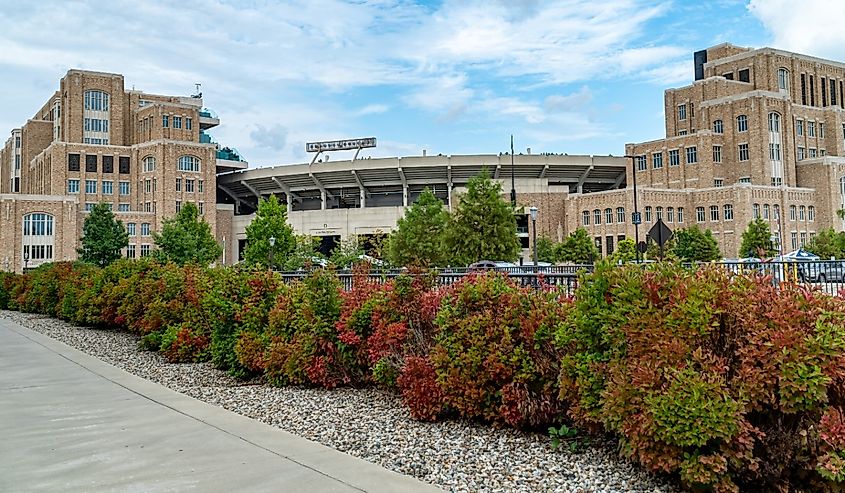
[
  {"x": 546, "y": 249},
  {"x": 578, "y": 248},
  {"x": 418, "y": 237},
  {"x": 757, "y": 240},
  {"x": 346, "y": 253},
  {"x": 482, "y": 226},
  {"x": 303, "y": 254},
  {"x": 103, "y": 237},
  {"x": 828, "y": 243},
  {"x": 270, "y": 222},
  {"x": 626, "y": 251},
  {"x": 694, "y": 245},
  {"x": 186, "y": 239}
]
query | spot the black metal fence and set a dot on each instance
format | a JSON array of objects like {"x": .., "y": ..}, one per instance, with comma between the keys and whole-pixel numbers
[{"x": 828, "y": 275}]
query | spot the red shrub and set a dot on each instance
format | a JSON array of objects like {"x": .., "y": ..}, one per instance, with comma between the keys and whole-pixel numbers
[{"x": 420, "y": 391}]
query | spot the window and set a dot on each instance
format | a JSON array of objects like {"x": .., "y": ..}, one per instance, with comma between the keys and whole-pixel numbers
[
  {"x": 95, "y": 125},
  {"x": 620, "y": 214},
  {"x": 178, "y": 206},
  {"x": 777, "y": 181},
  {"x": 699, "y": 214},
  {"x": 130, "y": 251},
  {"x": 803, "y": 236},
  {"x": 201, "y": 208},
  {"x": 776, "y": 211},
  {"x": 38, "y": 237},
  {"x": 792, "y": 212},
  {"x": 659, "y": 214},
  {"x": 766, "y": 211},
  {"x": 821, "y": 130},
  {"x": 717, "y": 154},
  {"x": 108, "y": 164},
  {"x": 608, "y": 216},
  {"x": 745, "y": 179},
  {"x": 89, "y": 206},
  {"x": 73, "y": 186},
  {"x": 108, "y": 187},
  {"x": 178, "y": 185},
  {"x": 794, "y": 236},
  {"x": 682, "y": 112},
  {"x": 742, "y": 123},
  {"x": 90, "y": 186},
  {"x": 130, "y": 229},
  {"x": 692, "y": 155},
  {"x": 188, "y": 124},
  {"x": 811, "y": 129},
  {"x": 596, "y": 217},
  {"x": 812, "y": 152},
  {"x": 177, "y": 122},
  {"x": 680, "y": 214},
  {"x": 729, "y": 75},
  {"x": 148, "y": 186},
  {"x": 755, "y": 211},
  {"x": 728, "y": 211},
  {"x": 641, "y": 163},
  {"x": 96, "y": 100},
  {"x": 73, "y": 161},
  {"x": 804, "y": 89},
  {"x": 674, "y": 158},
  {"x": 718, "y": 182},
  {"x": 743, "y": 152},
  {"x": 124, "y": 187},
  {"x": 774, "y": 152},
  {"x": 657, "y": 160},
  {"x": 585, "y": 218},
  {"x": 682, "y": 132},
  {"x": 811, "y": 213},
  {"x": 145, "y": 250},
  {"x": 774, "y": 122},
  {"x": 200, "y": 185},
  {"x": 783, "y": 79},
  {"x": 17, "y": 142},
  {"x": 189, "y": 186},
  {"x": 744, "y": 75},
  {"x": 191, "y": 163},
  {"x": 165, "y": 121},
  {"x": 802, "y": 212},
  {"x": 123, "y": 207},
  {"x": 123, "y": 165},
  {"x": 91, "y": 163},
  {"x": 823, "y": 85},
  {"x": 799, "y": 127},
  {"x": 149, "y": 164},
  {"x": 648, "y": 213},
  {"x": 714, "y": 212},
  {"x": 670, "y": 214},
  {"x": 145, "y": 229},
  {"x": 843, "y": 127},
  {"x": 718, "y": 127},
  {"x": 800, "y": 153},
  {"x": 822, "y": 152}
]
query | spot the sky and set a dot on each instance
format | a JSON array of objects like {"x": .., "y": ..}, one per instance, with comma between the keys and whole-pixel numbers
[{"x": 450, "y": 77}]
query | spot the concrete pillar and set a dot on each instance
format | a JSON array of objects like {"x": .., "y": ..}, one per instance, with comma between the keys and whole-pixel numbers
[
  {"x": 405, "y": 193},
  {"x": 363, "y": 198},
  {"x": 290, "y": 203},
  {"x": 323, "y": 200}
]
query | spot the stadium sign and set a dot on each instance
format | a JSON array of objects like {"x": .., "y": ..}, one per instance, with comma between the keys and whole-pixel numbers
[{"x": 340, "y": 145}]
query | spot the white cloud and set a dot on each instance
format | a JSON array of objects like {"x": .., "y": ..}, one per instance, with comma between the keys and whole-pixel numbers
[
  {"x": 812, "y": 27},
  {"x": 573, "y": 101}
]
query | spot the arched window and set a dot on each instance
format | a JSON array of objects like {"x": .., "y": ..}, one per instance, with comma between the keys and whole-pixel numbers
[
  {"x": 189, "y": 163},
  {"x": 775, "y": 142},
  {"x": 648, "y": 213},
  {"x": 718, "y": 127},
  {"x": 783, "y": 79},
  {"x": 585, "y": 218},
  {"x": 742, "y": 123},
  {"x": 620, "y": 214},
  {"x": 597, "y": 216},
  {"x": 96, "y": 100},
  {"x": 608, "y": 216},
  {"x": 149, "y": 163},
  {"x": 670, "y": 214},
  {"x": 38, "y": 239},
  {"x": 774, "y": 122}
]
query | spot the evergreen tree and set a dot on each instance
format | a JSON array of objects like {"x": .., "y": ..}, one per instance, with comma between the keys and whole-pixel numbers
[
  {"x": 694, "y": 245},
  {"x": 103, "y": 237},
  {"x": 418, "y": 237},
  {"x": 482, "y": 226},
  {"x": 578, "y": 248},
  {"x": 186, "y": 239},
  {"x": 626, "y": 251},
  {"x": 545, "y": 250},
  {"x": 756, "y": 240},
  {"x": 270, "y": 222},
  {"x": 828, "y": 243}
]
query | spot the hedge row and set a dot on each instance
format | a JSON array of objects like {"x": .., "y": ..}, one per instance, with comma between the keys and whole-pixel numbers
[{"x": 727, "y": 381}]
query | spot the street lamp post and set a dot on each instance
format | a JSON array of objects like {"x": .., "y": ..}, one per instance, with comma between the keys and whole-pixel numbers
[
  {"x": 533, "y": 211},
  {"x": 635, "y": 217},
  {"x": 25, "y": 261},
  {"x": 272, "y": 244}
]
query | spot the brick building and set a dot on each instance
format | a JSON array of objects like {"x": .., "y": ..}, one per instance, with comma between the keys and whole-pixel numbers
[
  {"x": 94, "y": 141},
  {"x": 759, "y": 133}
]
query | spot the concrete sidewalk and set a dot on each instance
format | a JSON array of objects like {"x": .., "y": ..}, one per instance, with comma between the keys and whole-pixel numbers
[{"x": 69, "y": 422}]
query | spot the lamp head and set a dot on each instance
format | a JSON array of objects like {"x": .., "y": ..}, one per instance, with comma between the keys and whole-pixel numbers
[
  {"x": 533, "y": 210},
  {"x": 272, "y": 240}
]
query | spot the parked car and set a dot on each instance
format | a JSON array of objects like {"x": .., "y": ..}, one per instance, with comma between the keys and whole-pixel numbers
[
  {"x": 491, "y": 265},
  {"x": 830, "y": 271}
]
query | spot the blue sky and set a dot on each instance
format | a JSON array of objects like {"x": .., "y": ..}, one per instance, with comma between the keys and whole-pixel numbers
[{"x": 451, "y": 77}]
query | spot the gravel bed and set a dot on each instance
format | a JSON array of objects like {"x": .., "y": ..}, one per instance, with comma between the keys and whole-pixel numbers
[{"x": 373, "y": 424}]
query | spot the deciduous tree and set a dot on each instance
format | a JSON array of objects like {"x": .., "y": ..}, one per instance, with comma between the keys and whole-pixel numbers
[
  {"x": 186, "y": 239},
  {"x": 270, "y": 222},
  {"x": 578, "y": 248},
  {"x": 103, "y": 237},
  {"x": 757, "y": 240},
  {"x": 694, "y": 245}
]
